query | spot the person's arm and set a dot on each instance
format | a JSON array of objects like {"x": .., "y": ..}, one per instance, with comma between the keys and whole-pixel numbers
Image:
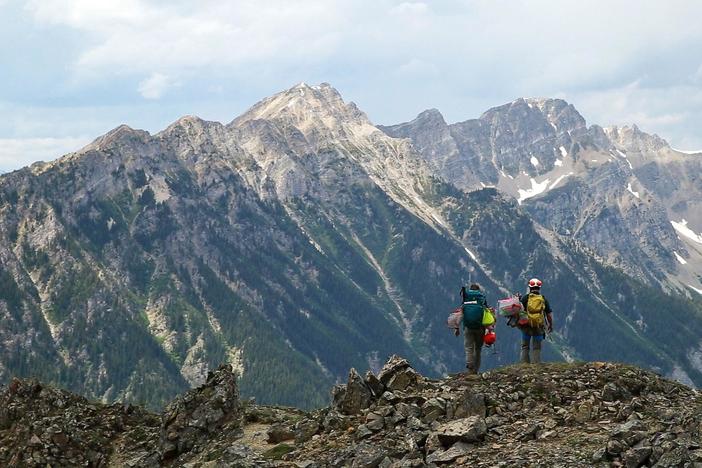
[
  {"x": 549, "y": 316},
  {"x": 485, "y": 303}
]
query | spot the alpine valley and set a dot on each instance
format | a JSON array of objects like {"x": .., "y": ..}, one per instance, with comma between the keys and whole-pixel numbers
[{"x": 300, "y": 240}]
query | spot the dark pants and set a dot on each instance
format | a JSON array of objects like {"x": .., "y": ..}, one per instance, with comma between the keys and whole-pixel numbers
[{"x": 473, "y": 341}]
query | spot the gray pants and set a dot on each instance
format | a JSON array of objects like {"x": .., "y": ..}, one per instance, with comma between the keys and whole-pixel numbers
[{"x": 473, "y": 341}]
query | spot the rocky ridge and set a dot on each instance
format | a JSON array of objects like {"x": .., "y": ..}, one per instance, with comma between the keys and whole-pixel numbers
[{"x": 569, "y": 415}]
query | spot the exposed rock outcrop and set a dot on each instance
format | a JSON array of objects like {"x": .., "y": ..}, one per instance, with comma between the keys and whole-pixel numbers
[{"x": 575, "y": 415}]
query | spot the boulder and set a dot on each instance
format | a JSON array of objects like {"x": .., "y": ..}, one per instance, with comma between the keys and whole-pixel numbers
[
  {"x": 459, "y": 449},
  {"x": 200, "y": 413},
  {"x": 394, "y": 365},
  {"x": 374, "y": 384},
  {"x": 278, "y": 433},
  {"x": 471, "y": 429},
  {"x": 305, "y": 430},
  {"x": 354, "y": 396},
  {"x": 635, "y": 457}
]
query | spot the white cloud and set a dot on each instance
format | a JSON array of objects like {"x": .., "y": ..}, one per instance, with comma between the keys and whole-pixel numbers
[
  {"x": 410, "y": 8},
  {"x": 133, "y": 35},
  {"x": 19, "y": 152},
  {"x": 155, "y": 86},
  {"x": 668, "y": 111},
  {"x": 393, "y": 57},
  {"x": 417, "y": 67}
]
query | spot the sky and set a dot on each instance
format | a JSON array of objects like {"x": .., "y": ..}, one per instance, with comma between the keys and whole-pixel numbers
[{"x": 71, "y": 70}]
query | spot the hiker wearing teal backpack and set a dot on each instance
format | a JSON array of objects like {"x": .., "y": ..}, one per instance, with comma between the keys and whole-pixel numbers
[
  {"x": 474, "y": 305},
  {"x": 539, "y": 317}
]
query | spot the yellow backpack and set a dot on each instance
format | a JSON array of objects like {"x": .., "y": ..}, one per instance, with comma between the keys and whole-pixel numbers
[{"x": 535, "y": 310}]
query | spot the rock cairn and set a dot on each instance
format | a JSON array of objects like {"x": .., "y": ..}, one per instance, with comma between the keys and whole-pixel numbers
[{"x": 559, "y": 415}]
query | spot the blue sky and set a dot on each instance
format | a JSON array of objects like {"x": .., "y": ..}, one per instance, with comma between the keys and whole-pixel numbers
[{"x": 70, "y": 70}]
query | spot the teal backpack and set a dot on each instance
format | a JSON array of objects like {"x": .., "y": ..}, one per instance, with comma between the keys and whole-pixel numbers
[{"x": 473, "y": 308}]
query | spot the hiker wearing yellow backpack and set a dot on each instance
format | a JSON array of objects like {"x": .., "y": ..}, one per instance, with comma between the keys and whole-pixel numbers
[{"x": 539, "y": 318}]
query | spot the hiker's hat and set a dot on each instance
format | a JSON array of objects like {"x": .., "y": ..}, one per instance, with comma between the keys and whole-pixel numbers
[{"x": 535, "y": 283}]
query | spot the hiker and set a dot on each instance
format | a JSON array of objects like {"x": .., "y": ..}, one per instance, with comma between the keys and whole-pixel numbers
[
  {"x": 539, "y": 321},
  {"x": 474, "y": 305}
]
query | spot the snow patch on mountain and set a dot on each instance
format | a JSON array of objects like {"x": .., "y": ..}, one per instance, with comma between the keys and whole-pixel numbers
[
  {"x": 534, "y": 161},
  {"x": 536, "y": 189},
  {"x": 682, "y": 229},
  {"x": 680, "y": 259},
  {"x": 636, "y": 194},
  {"x": 687, "y": 151},
  {"x": 699, "y": 291},
  {"x": 558, "y": 162},
  {"x": 623, "y": 155},
  {"x": 564, "y": 153},
  {"x": 472, "y": 255},
  {"x": 553, "y": 185}
]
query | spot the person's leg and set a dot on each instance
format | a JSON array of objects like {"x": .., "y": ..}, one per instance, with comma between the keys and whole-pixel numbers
[
  {"x": 536, "y": 353},
  {"x": 525, "y": 347},
  {"x": 468, "y": 344},
  {"x": 478, "y": 347}
]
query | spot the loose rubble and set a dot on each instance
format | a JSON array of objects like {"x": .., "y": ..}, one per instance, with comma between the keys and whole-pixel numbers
[{"x": 559, "y": 415}]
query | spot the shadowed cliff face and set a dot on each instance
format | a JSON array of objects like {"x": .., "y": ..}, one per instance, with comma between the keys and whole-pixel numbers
[
  {"x": 554, "y": 414},
  {"x": 300, "y": 240}
]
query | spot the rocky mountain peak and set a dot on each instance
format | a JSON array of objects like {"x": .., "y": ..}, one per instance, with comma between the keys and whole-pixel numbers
[
  {"x": 431, "y": 116},
  {"x": 121, "y": 135},
  {"x": 306, "y": 107},
  {"x": 554, "y": 115},
  {"x": 631, "y": 138}
]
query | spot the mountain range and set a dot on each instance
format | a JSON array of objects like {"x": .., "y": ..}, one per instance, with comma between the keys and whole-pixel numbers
[{"x": 300, "y": 240}]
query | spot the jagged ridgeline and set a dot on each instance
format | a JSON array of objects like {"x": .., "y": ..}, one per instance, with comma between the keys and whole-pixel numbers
[
  {"x": 300, "y": 240},
  {"x": 556, "y": 415}
]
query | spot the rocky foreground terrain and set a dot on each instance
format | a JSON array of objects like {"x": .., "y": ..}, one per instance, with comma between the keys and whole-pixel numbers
[{"x": 586, "y": 414}]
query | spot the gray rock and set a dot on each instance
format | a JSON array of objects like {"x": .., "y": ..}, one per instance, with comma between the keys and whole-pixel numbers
[
  {"x": 674, "y": 458},
  {"x": 394, "y": 365},
  {"x": 278, "y": 433},
  {"x": 635, "y": 457},
  {"x": 459, "y": 449},
  {"x": 471, "y": 429},
  {"x": 599, "y": 455},
  {"x": 368, "y": 456},
  {"x": 305, "y": 429},
  {"x": 433, "y": 409},
  {"x": 470, "y": 404},
  {"x": 615, "y": 447},
  {"x": 375, "y": 421},
  {"x": 402, "y": 379},
  {"x": 374, "y": 384},
  {"x": 354, "y": 397},
  {"x": 363, "y": 431},
  {"x": 630, "y": 432},
  {"x": 200, "y": 413}
]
